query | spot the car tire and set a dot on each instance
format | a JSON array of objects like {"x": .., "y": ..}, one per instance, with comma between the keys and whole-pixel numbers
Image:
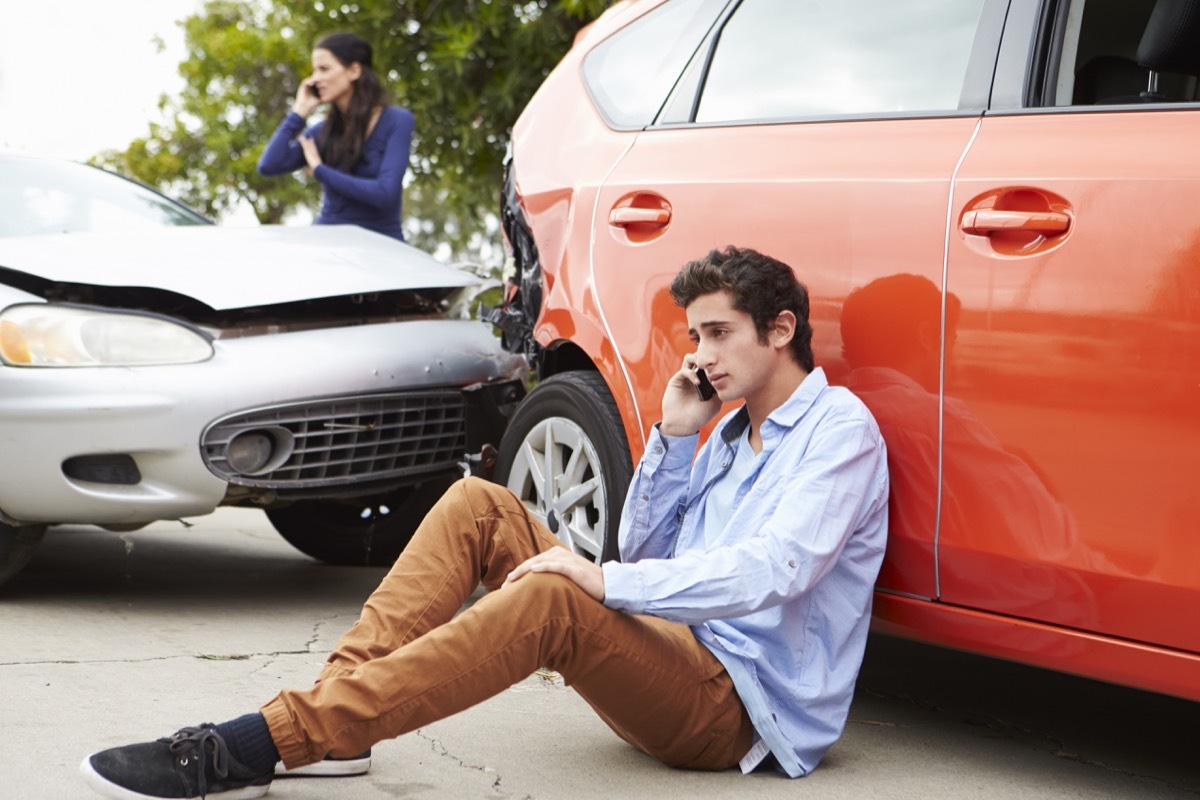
[
  {"x": 364, "y": 531},
  {"x": 565, "y": 455},
  {"x": 17, "y": 546}
]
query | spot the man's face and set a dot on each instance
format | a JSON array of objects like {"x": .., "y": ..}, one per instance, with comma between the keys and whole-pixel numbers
[{"x": 728, "y": 347}]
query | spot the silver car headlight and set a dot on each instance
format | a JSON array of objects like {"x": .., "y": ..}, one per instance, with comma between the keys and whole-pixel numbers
[{"x": 43, "y": 335}]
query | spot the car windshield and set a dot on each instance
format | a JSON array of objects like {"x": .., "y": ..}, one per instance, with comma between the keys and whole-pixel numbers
[{"x": 45, "y": 196}]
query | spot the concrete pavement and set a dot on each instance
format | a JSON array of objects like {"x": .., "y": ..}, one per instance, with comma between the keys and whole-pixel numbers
[{"x": 109, "y": 639}]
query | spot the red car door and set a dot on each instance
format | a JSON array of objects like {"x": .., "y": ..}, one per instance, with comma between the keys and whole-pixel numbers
[
  {"x": 1072, "y": 411},
  {"x": 845, "y": 200}
]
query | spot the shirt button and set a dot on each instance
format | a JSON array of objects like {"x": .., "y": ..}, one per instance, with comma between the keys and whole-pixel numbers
[
  {"x": 792, "y": 563},
  {"x": 658, "y": 449},
  {"x": 645, "y": 498}
]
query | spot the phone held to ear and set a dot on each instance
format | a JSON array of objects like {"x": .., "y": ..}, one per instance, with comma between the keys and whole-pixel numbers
[
  {"x": 704, "y": 388},
  {"x": 314, "y": 91}
]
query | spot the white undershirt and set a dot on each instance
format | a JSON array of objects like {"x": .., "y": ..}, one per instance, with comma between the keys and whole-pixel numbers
[{"x": 722, "y": 498}]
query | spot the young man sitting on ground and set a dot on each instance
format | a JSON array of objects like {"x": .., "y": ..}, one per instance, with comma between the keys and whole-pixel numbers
[{"x": 730, "y": 633}]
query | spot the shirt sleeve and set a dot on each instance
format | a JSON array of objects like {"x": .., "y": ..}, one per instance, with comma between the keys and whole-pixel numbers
[
  {"x": 839, "y": 479},
  {"x": 381, "y": 191},
  {"x": 658, "y": 492},
  {"x": 283, "y": 153}
]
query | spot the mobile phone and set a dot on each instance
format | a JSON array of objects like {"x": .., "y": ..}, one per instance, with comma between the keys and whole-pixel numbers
[
  {"x": 704, "y": 388},
  {"x": 314, "y": 91}
]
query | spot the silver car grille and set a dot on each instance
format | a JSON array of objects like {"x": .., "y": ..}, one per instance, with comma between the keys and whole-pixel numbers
[{"x": 346, "y": 440}]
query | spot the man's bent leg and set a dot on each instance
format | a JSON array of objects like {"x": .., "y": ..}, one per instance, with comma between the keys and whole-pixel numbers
[
  {"x": 478, "y": 531},
  {"x": 650, "y": 679}
]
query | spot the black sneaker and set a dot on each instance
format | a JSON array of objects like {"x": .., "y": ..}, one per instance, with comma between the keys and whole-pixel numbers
[
  {"x": 329, "y": 767},
  {"x": 191, "y": 763}
]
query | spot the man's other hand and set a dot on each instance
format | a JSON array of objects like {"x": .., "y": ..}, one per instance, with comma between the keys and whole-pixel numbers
[{"x": 562, "y": 561}]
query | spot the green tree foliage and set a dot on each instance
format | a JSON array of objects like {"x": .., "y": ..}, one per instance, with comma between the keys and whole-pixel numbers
[{"x": 464, "y": 67}]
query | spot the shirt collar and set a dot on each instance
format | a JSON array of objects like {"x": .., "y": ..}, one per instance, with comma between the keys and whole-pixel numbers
[{"x": 786, "y": 415}]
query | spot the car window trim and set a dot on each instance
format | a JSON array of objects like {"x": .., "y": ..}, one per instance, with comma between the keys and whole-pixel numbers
[
  {"x": 985, "y": 53},
  {"x": 1122, "y": 108},
  {"x": 695, "y": 74},
  {"x": 823, "y": 118},
  {"x": 1015, "y": 60},
  {"x": 1045, "y": 57}
]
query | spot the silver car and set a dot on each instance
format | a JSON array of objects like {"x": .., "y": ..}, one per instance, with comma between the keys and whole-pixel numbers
[{"x": 155, "y": 366}]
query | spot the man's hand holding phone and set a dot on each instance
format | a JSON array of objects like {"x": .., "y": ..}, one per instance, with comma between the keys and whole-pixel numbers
[{"x": 689, "y": 401}]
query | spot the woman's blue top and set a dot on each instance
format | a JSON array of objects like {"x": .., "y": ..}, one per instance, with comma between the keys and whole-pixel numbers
[{"x": 370, "y": 194}]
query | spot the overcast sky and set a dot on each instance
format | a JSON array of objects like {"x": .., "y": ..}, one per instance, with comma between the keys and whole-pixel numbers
[{"x": 80, "y": 76}]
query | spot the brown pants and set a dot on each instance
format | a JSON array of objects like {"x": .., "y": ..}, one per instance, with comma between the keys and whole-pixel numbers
[{"x": 409, "y": 660}]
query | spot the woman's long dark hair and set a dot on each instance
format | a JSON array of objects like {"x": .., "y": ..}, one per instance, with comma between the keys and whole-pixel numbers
[{"x": 343, "y": 135}]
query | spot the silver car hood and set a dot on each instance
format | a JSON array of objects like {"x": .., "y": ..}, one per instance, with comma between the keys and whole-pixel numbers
[{"x": 227, "y": 267}]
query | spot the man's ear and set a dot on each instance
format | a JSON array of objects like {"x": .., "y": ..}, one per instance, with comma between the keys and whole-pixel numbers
[{"x": 782, "y": 329}]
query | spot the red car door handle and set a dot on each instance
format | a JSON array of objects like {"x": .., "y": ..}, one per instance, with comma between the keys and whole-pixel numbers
[
  {"x": 628, "y": 215},
  {"x": 990, "y": 220}
]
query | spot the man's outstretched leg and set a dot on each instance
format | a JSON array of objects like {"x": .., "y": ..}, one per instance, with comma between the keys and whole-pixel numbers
[
  {"x": 408, "y": 661},
  {"x": 449, "y": 555},
  {"x": 475, "y": 533}
]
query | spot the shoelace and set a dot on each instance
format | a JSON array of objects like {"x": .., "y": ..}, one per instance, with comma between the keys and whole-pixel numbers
[{"x": 187, "y": 741}]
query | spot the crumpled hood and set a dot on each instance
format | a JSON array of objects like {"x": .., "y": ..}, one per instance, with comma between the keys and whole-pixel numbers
[{"x": 229, "y": 267}]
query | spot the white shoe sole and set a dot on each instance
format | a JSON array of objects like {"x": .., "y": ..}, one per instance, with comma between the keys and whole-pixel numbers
[
  {"x": 329, "y": 768},
  {"x": 106, "y": 788}
]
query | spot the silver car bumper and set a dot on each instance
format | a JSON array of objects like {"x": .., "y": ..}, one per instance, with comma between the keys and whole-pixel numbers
[{"x": 157, "y": 416}]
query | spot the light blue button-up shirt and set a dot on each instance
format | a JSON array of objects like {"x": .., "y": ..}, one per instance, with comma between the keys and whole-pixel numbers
[{"x": 783, "y": 596}]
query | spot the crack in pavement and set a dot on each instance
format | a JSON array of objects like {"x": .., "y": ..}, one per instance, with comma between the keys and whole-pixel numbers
[
  {"x": 309, "y": 649},
  {"x": 70, "y": 662},
  {"x": 320, "y": 623},
  {"x": 150, "y": 659},
  {"x": 440, "y": 749}
]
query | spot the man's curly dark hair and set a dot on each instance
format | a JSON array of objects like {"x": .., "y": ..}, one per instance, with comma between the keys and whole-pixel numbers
[{"x": 759, "y": 285}]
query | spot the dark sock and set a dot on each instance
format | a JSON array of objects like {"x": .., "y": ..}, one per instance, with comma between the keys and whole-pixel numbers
[{"x": 250, "y": 742}]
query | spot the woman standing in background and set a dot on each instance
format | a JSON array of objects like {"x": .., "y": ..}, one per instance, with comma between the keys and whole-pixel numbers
[{"x": 359, "y": 153}]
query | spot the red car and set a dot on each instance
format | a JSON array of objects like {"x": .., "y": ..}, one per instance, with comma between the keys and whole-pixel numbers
[{"x": 993, "y": 204}]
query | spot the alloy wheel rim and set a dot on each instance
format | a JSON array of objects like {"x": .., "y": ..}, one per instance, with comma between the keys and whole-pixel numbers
[{"x": 557, "y": 474}]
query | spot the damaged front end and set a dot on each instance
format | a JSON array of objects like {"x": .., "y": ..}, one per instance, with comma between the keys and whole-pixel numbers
[
  {"x": 517, "y": 314},
  {"x": 319, "y": 400}
]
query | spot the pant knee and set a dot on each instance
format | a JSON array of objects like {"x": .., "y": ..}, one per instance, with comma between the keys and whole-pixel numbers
[
  {"x": 482, "y": 493},
  {"x": 544, "y": 601},
  {"x": 545, "y": 594}
]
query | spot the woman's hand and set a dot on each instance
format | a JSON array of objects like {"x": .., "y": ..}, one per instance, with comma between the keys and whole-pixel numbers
[
  {"x": 306, "y": 102},
  {"x": 562, "y": 561},
  {"x": 309, "y": 146}
]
